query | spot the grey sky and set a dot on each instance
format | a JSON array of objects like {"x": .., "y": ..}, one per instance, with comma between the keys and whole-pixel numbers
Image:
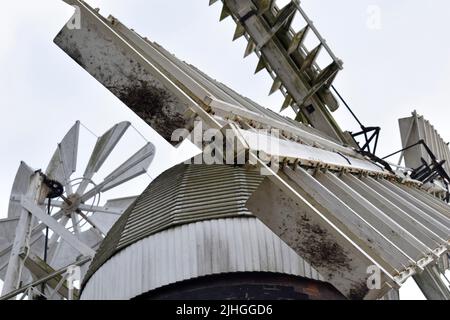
[{"x": 389, "y": 72}]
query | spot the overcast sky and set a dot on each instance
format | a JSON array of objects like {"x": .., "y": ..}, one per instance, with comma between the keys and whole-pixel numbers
[{"x": 392, "y": 67}]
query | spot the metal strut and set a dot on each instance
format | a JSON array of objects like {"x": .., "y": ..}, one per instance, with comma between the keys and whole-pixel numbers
[
  {"x": 55, "y": 190},
  {"x": 364, "y": 130},
  {"x": 427, "y": 172}
]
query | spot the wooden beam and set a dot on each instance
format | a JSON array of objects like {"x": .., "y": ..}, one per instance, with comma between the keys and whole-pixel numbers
[
  {"x": 23, "y": 232},
  {"x": 40, "y": 269},
  {"x": 309, "y": 231},
  {"x": 56, "y": 227}
]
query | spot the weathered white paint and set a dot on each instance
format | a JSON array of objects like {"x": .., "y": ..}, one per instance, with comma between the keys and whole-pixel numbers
[
  {"x": 56, "y": 227},
  {"x": 103, "y": 148},
  {"x": 365, "y": 214},
  {"x": 417, "y": 128},
  {"x": 23, "y": 233},
  {"x": 105, "y": 218},
  {"x": 151, "y": 63},
  {"x": 7, "y": 233},
  {"x": 307, "y": 155},
  {"x": 20, "y": 187},
  {"x": 191, "y": 251},
  {"x": 322, "y": 230},
  {"x": 132, "y": 168},
  {"x": 432, "y": 285},
  {"x": 64, "y": 160},
  {"x": 60, "y": 168},
  {"x": 288, "y": 74}
]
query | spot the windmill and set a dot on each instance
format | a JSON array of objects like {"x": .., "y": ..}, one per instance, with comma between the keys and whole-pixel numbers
[
  {"x": 56, "y": 220},
  {"x": 340, "y": 209},
  {"x": 321, "y": 211}
]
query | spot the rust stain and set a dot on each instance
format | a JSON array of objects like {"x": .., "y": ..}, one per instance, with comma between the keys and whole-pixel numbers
[{"x": 312, "y": 289}]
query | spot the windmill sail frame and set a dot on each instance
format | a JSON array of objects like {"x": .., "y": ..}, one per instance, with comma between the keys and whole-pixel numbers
[{"x": 214, "y": 104}]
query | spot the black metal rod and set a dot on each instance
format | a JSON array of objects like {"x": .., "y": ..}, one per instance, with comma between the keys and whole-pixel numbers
[
  {"x": 376, "y": 141},
  {"x": 404, "y": 149},
  {"x": 46, "y": 232},
  {"x": 46, "y": 241},
  {"x": 347, "y": 106},
  {"x": 368, "y": 141}
]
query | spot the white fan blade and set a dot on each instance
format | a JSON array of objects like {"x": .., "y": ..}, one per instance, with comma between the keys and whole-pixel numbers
[
  {"x": 38, "y": 246},
  {"x": 36, "y": 237},
  {"x": 89, "y": 208},
  {"x": 7, "y": 233},
  {"x": 133, "y": 167},
  {"x": 66, "y": 254},
  {"x": 103, "y": 148},
  {"x": 64, "y": 160},
  {"x": 105, "y": 220},
  {"x": 7, "y": 236},
  {"x": 19, "y": 188},
  {"x": 120, "y": 204}
]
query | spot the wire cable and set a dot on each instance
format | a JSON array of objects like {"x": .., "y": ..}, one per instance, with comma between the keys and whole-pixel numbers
[{"x": 89, "y": 130}]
